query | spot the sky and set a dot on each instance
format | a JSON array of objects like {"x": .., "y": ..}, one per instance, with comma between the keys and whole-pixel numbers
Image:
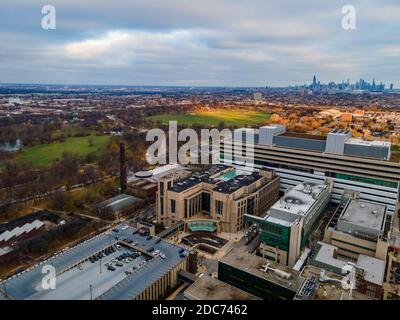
[{"x": 199, "y": 43}]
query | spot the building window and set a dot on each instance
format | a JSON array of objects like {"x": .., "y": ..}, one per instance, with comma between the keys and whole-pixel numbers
[
  {"x": 371, "y": 288},
  {"x": 173, "y": 205},
  {"x": 250, "y": 206},
  {"x": 218, "y": 206},
  {"x": 273, "y": 228},
  {"x": 162, "y": 188},
  {"x": 205, "y": 202}
]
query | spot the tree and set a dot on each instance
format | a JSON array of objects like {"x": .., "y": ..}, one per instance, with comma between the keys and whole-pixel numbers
[
  {"x": 90, "y": 141},
  {"x": 61, "y": 200}
]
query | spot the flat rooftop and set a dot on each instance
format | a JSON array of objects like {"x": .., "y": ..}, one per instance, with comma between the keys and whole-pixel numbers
[
  {"x": 326, "y": 255},
  {"x": 353, "y": 147},
  {"x": 208, "y": 175},
  {"x": 168, "y": 170},
  {"x": 298, "y": 200},
  {"x": 368, "y": 143},
  {"x": 252, "y": 264},
  {"x": 226, "y": 179},
  {"x": 75, "y": 273},
  {"x": 208, "y": 288},
  {"x": 374, "y": 269},
  {"x": 302, "y": 135},
  {"x": 237, "y": 182},
  {"x": 362, "y": 217},
  {"x": 330, "y": 290}
]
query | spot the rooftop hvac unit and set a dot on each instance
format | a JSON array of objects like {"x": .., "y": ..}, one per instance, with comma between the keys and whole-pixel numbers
[{"x": 285, "y": 275}]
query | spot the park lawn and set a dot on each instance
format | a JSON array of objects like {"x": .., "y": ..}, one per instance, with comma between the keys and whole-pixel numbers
[
  {"x": 395, "y": 148},
  {"x": 213, "y": 118},
  {"x": 44, "y": 154}
]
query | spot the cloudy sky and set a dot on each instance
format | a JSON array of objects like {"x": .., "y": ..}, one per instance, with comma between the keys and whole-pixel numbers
[{"x": 199, "y": 43}]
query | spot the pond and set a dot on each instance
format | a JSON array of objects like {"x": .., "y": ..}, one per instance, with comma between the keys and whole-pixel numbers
[{"x": 11, "y": 146}]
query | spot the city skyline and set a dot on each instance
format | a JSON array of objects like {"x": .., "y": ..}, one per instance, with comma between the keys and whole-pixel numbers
[
  {"x": 349, "y": 82},
  {"x": 170, "y": 44}
]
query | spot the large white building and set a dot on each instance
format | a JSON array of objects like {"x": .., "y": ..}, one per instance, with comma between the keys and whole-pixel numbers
[
  {"x": 287, "y": 226},
  {"x": 351, "y": 164}
]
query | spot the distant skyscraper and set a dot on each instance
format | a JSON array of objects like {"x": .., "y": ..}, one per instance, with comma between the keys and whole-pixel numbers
[{"x": 346, "y": 85}]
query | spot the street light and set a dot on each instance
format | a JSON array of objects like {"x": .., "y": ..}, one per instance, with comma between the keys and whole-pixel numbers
[{"x": 91, "y": 292}]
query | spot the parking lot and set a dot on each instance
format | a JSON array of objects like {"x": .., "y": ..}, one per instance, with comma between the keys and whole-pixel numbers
[
  {"x": 82, "y": 274},
  {"x": 96, "y": 274}
]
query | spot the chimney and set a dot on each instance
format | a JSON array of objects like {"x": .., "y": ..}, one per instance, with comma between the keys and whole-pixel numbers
[{"x": 122, "y": 167}]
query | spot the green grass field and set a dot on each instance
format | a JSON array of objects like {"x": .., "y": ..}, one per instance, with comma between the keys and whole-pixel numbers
[
  {"x": 229, "y": 117},
  {"x": 396, "y": 148},
  {"x": 45, "y": 154}
]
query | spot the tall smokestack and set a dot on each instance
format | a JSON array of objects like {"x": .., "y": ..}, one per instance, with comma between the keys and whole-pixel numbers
[{"x": 122, "y": 167}]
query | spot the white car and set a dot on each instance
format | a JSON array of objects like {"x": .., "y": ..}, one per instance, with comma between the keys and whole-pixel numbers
[{"x": 163, "y": 256}]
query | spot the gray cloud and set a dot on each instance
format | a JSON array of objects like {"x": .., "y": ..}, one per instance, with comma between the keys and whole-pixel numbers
[{"x": 179, "y": 42}]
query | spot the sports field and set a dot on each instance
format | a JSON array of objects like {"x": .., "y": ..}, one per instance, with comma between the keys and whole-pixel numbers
[
  {"x": 213, "y": 118},
  {"x": 44, "y": 154}
]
